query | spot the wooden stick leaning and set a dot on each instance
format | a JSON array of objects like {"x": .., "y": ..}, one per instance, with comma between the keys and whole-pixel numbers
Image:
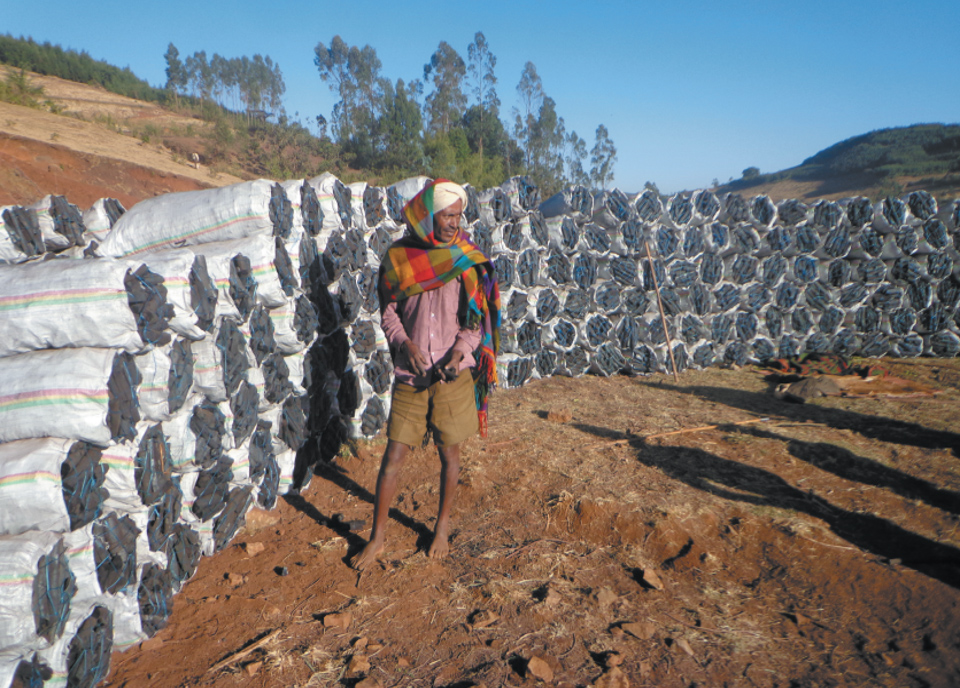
[{"x": 663, "y": 316}]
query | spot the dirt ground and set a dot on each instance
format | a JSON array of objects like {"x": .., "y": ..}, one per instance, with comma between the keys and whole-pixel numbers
[{"x": 816, "y": 548}]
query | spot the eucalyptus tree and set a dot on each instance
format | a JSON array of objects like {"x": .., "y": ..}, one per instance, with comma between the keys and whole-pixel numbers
[
  {"x": 483, "y": 86},
  {"x": 447, "y": 101},
  {"x": 603, "y": 156}
]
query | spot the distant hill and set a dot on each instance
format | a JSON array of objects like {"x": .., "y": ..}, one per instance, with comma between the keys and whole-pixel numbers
[{"x": 880, "y": 163}]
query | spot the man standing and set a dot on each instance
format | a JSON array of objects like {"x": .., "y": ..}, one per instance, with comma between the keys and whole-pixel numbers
[{"x": 440, "y": 308}]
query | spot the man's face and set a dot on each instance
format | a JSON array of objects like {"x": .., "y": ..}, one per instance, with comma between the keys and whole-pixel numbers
[{"x": 447, "y": 222}]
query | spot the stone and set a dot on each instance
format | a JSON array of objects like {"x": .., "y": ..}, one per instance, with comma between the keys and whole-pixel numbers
[
  {"x": 358, "y": 665},
  {"x": 369, "y": 682},
  {"x": 252, "y": 668},
  {"x": 252, "y": 549},
  {"x": 605, "y": 597},
  {"x": 235, "y": 579},
  {"x": 651, "y": 579},
  {"x": 559, "y": 416},
  {"x": 643, "y": 631},
  {"x": 538, "y": 668},
  {"x": 613, "y": 678},
  {"x": 483, "y": 619},
  {"x": 340, "y": 620}
]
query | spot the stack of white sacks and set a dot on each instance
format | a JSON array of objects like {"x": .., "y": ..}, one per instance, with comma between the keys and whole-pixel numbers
[{"x": 165, "y": 369}]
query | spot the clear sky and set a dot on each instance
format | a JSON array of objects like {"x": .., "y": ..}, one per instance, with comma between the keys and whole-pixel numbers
[{"x": 689, "y": 91}]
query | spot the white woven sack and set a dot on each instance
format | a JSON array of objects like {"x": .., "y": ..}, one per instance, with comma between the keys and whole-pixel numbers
[
  {"x": 31, "y": 490},
  {"x": 19, "y": 559},
  {"x": 175, "y": 266}
]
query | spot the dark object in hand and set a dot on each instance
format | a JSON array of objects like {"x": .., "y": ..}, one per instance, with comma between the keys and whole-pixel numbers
[{"x": 448, "y": 373}]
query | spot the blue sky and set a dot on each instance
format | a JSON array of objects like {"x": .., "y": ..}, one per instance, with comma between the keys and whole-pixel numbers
[{"x": 689, "y": 91}]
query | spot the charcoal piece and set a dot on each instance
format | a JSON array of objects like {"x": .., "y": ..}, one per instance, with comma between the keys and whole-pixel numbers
[
  {"x": 261, "y": 449},
  {"x": 548, "y": 306},
  {"x": 817, "y": 296},
  {"x": 806, "y": 269},
  {"x": 763, "y": 350},
  {"x": 88, "y": 653},
  {"x": 670, "y": 301},
  {"x": 817, "y": 343},
  {"x": 152, "y": 467},
  {"x": 667, "y": 241},
  {"x": 780, "y": 238},
  {"x": 934, "y": 318},
  {"x": 306, "y": 321},
  {"x": 624, "y": 270},
  {"x": 755, "y": 297},
  {"x": 827, "y": 214},
  {"x": 295, "y": 411},
  {"x": 744, "y": 239},
  {"x": 711, "y": 268},
  {"x": 948, "y": 293},
  {"x": 364, "y": 336},
  {"x": 81, "y": 480},
  {"x": 155, "y": 598},
  {"x": 596, "y": 238},
  {"x": 528, "y": 337},
  {"x": 680, "y": 358},
  {"x": 396, "y": 202},
  {"x": 680, "y": 209},
  {"x": 280, "y": 211},
  {"x": 608, "y": 360},
  {"x": 773, "y": 320},
  {"x": 367, "y": 285},
  {"x": 894, "y": 211},
  {"x": 867, "y": 319},
  {"x": 772, "y": 269},
  {"x": 373, "y": 418},
  {"x": 519, "y": 371},
  {"x": 333, "y": 260},
  {"x": 875, "y": 345},
  {"x": 922, "y": 204},
  {"x": 31, "y": 673},
  {"x": 163, "y": 515},
  {"x": 721, "y": 328},
  {"x": 349, "y": 396},
  {"x": 699, "y": 299},
  {"x": 683, "y": 273},
  {"x": 538, "y": 229},
  {"x": 575, "y": 361},
  {"x": 546, "y": 362},
  {"x": 349, "y": 299},
  {"x": 920, "y": 294},
  {"x": 746, "y": 326},
  {"x": 887, "y": 298},
  {"x": 907, "y": 240},
  {"x": 902, "y": 321},
  {"x": 518, "y": 306},
  {"x": 789, "y": 347},
  {"x": 115, "y": 552},
  {"x": 648, "y": 205},
  {"x": 643, "y": 360},
  {"x": 585, "y": 270},
  {"x": 569, "y": 234},
  {"x": 872, "y": 271},
  {"x": 330, "y": 355},
  {"x": 147, "y": 298},
  {"x": 607, "y": 297},
  {"x": 627, "y": 333},
  {"x": 312, "y": 273},
  {"x": 513, "y": 237},
  {"x": 838, "y": 273},
  {"x": 853, "y": 294},
  {"x": 911, "y": 346},
  {"x": 505, "y": 268},
  {"x": 763, "y": 210},
  {"x": 231, "y": 519},
  {"x": 691, "y": 329},
  {"x": 263, "y": 340},
  {"x": 939, "y": 265},
  {"x": 242, "y": 286},
  {"x": 528, "y": 268},
  {"x": 332, "y": 437},
  {"x": 935, "y": 233},
  {"x": 208, "y": 425},
  {"x": 23, "y": 228},
  {"x": 310, "y": 209},
  {"x": 270, "y": 484},
  {"x": 871, "y": 242},
  {"x": 860, "y": 211},
  {"x": 635, "y": 302},
  {"x": 744, "y": 269},
  {"x": 719, "y": 235},
  {"x": 577, "y": 304},
  {"x": 374, "y": 210},
  {"x": 564, "y": 334},
  {"x": 736, "y": 353},
  {"x": 703, "y": 356},
  {"x": 284, "y": 267},
  {"x": 244, "y": 404},
  {"x": 380, "y": 240},
  {"x": 837, "y": 242},
  {"x": 210, "y": 489},
  {"x": 655, "y": 333},
  {"x": 559, "y": 270},
  {"x": 693, "y": 242},
  {"x": 945, "y": 344},
  {"x": 180, "y": 377},
  {"x": 598, "y": 330},
  {"x": 203, "y": 294},
  {"x": 53, "y": 589},
  {"x": 807, "y": 239},
  {"x": 830, "y": 320},
  {"x": 232, "y": 346},
  {"x": 846, "y": 343},
  {"x": 726, "y": 297},
  {"x": 67, "y": 220}
]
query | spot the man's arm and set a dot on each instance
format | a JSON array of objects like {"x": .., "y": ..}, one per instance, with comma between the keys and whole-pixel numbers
[{"x": 399, "y": 340}]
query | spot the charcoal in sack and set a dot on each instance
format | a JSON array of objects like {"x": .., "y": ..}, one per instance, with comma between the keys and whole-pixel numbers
[
  {"x": 939, "y": 266},
  {"x": 858, "y": 212},
  {"x": 606, "y": 298},
  {"x": 574, "y": 201},
  {"x": 607, "y": 360},
  {"x": 155, "y": 598},
  {"x": 683, "y": 274},
  {"x": 21, "y": 666},
  {"x": 163, "y": 515},
  {"x": 494, "y": 206},
  {"x": 523, "y": 194},
  {"x": 205, "y": 492},
  {"x": 564, "y": 234},
  {"x": 839, "y": 273},
  {"x": 711, "y": 271},
  {"x": 866, "y": 319},
  {"x": 827, "y": 214},
  {"x": 666, "y": 242},
  {"x": 691, "y": 329},
  {"x": 373, "y": 418},
  {"x": 736, "y": 353},
  {"x": 755, "y": 297},
  {"x": 378, "y": 372},
  {"x": 792, "y": 212},
  {"x": 680, "y": 210},
  {"x": 781, "y": 240},
  {"x": 20, "y": 237},
  {"x": 597, "y": 330},
  {"x": 504, "y": 266},
  {"x": 61, "y": 223},
  {"x": 923, "y": 206},
  {"x": 725, "y": 297},
  {"x": 744, "y": 240},
  {"x": 948, "y": 292},
  {"x": 611, "y": 208},
  {"x": 244, "y": 404},
  {"x": 643, "y": 361},
  {"x": 807, "y": 239},
  {"x": 115, "y": 552},
  {"x": 548, "y": 306},
  {"x": 597, "y": 239},
  {"x": 763, "y": 350},
  {"x": 401, "y": 193},
  {"x": 648, "y": 206},
  {"x": 528, "y": 268},
  {"x": 166, "y": 375},
  {"x": 817, "y": 343},
  {"x": 944, "y": 344},
  {"x": 49, "y": 484},
  {"x": 635, "y": 302},
  {"x": 717, "y": 238},
  {"x": 208, "y": 424},
  {"x": 743, "y": 269},
  {"x": 560, "y": 335},
  {"x": 81, "y": 658}
]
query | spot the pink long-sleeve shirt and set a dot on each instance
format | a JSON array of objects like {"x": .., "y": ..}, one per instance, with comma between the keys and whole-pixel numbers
[{"x": 430, "y": 320}]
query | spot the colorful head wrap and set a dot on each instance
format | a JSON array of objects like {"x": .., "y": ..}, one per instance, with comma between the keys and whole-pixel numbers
[{"x": 420, "y": 262}]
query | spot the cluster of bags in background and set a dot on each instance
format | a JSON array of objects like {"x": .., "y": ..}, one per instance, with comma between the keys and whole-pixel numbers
[{"x": 167, "y": 368}]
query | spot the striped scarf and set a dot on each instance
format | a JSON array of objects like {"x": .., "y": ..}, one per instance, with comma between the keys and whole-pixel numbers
[{"x": 419, "y": 262}]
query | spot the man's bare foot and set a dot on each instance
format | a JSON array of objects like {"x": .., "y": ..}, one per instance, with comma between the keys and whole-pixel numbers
[
  {"x": 367, "y": 556},
  {"x": 440, "y": 547}
]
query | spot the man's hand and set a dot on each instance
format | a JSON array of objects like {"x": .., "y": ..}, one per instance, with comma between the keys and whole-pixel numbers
[
  {"x": 450, "y": 368},
  {"x": 414, "y": 355}
]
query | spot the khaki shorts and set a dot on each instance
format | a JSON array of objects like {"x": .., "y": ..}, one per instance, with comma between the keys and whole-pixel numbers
[{"x": 447, "y": 409}]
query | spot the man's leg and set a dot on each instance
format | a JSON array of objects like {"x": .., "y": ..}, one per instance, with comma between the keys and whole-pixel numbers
[
  {"x": 449, "y": 475},
  {"x": 393, "y": 458}
]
